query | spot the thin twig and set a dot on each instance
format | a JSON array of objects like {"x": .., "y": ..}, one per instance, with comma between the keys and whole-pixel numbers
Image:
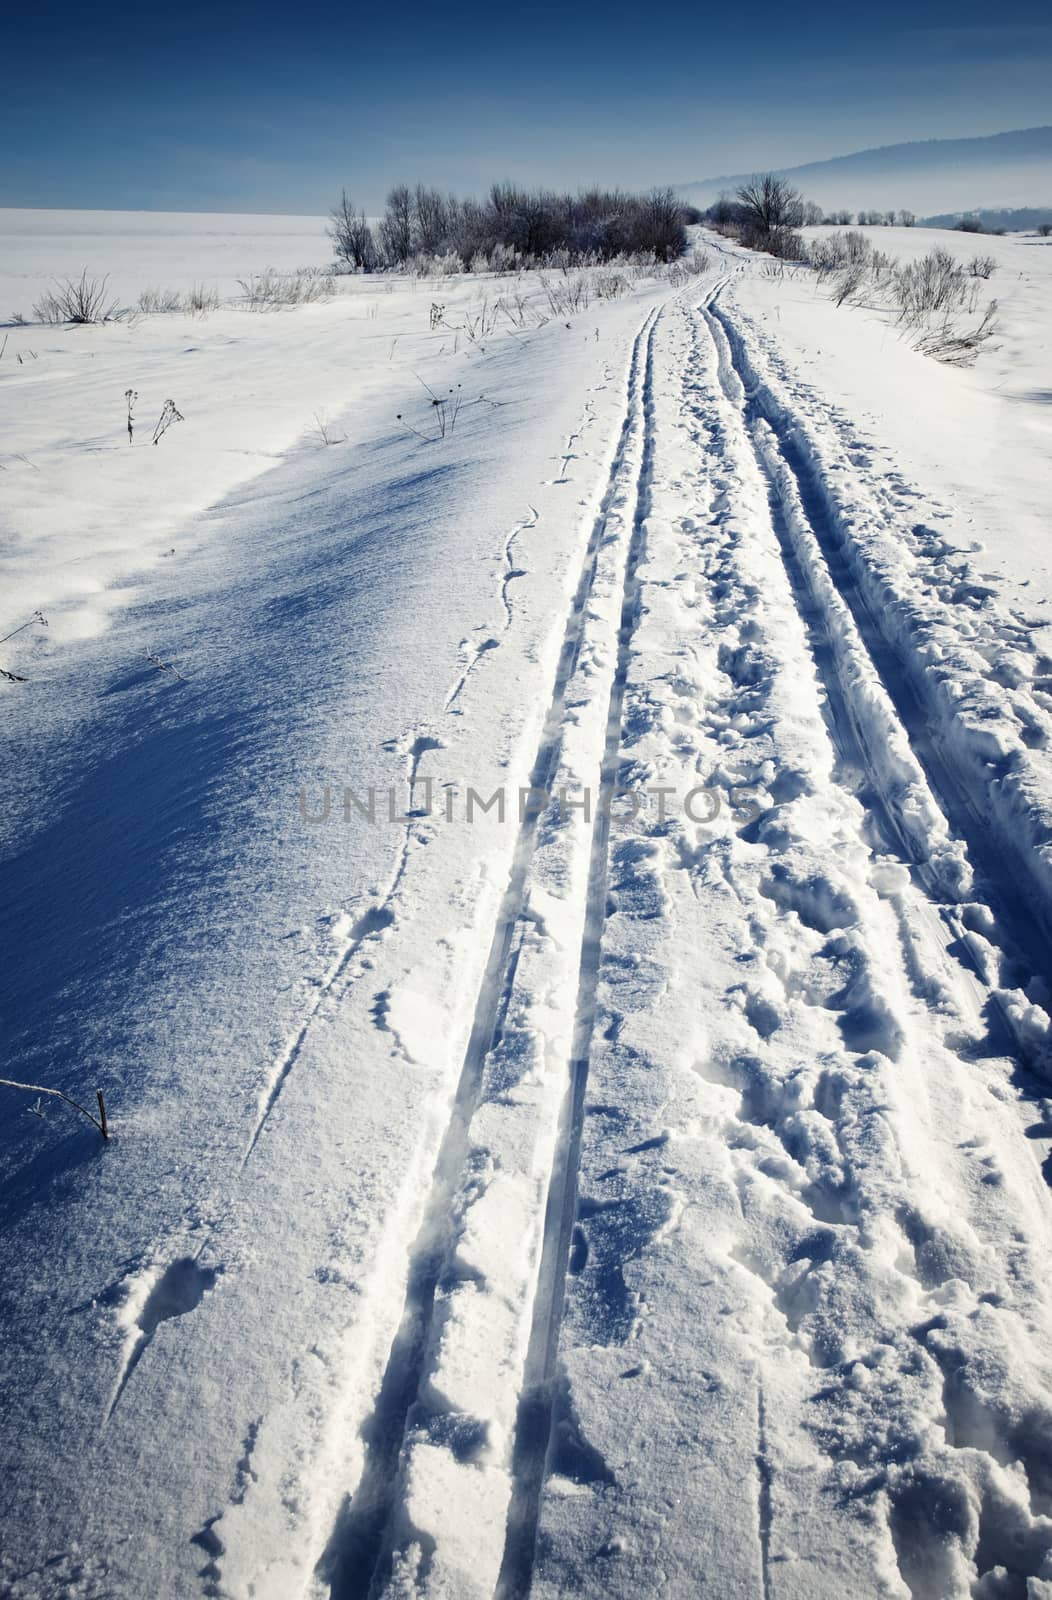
[
  {"x": 37, "y": 1088},
  {"x": 38, "y": 616},
  {"x": 164, "y": 666}
]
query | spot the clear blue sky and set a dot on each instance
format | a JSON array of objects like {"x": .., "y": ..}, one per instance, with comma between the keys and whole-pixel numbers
[{"x": 274, "y": 108}]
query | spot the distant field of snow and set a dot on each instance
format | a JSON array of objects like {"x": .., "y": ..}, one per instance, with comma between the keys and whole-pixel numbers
[
  {"x": 536, "y": 816},
  {"x": 148, "y": 249}
]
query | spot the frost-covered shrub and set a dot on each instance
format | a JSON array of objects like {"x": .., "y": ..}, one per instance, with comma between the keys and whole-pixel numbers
[
  {"x": 680, "y": 272},
  {"x": 935, "y": 282},
  {"x": 512, "y": 228},
  {"x": 931, "y": 297},
  {"x": 610, "y": 285},
  {"x": 446, "y": 265},
  {"x": 270, "y": 290},
  {"x": 81, "y": 300},
  {"x": 200, "y": 299},
  {"x": 504, "y": 258},
  {"x": 197, "y": 300},
  {"x": 957, "y": 344},
  {"x": 153, "y": 301}
]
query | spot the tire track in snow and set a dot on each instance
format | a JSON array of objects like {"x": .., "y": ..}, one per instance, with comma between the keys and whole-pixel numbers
[{"x": 360, "y": 1549}]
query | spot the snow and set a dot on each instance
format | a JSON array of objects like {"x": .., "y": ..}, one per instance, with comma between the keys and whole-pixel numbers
[
  {"x": 139, "y": 250},
  {"x": 761, "y": 1057},
  {"x": 972, "y": 439}
]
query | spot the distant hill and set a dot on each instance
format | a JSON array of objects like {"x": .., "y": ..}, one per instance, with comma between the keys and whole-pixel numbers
[
  {"x": 1022, "y": 219},
  {"x": 999, "y": 171}
]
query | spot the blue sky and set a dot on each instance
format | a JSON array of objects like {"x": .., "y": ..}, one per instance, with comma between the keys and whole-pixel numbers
[{"x": 274, "y": 108}]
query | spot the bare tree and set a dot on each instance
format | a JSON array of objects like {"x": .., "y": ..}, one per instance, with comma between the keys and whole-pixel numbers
[
  {"x": 768, "y": 202},
  {"x": 396, "y": 229},
  {"x": 352, "y": 236},
  {"x": 431, "y": 219}
]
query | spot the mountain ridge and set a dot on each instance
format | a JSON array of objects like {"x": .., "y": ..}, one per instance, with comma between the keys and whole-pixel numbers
[{"x": 925, "y": 174}]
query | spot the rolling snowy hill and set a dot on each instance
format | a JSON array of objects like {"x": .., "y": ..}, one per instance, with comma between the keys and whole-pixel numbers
[{"x": 933, "y": 175}]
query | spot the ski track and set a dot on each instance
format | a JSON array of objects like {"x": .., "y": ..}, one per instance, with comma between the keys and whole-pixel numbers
[
  {"x": 958, "y": 773},
  {"x": 765, "y": 1077},
  {"x": 938, "y": 1510},
  {"x": 907, "y": 774},
  {"x": 421, "y": 1435},
  {"x": 380, "y": 915},
  {"x": 335, "y": 981}
]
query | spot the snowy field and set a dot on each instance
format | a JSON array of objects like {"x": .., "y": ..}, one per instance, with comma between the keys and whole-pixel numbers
[
  {"x": 535, "y": 808},
  {"x": 149, "y": 249}
]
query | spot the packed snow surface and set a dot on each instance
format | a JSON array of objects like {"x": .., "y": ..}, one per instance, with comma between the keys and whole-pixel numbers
[{"x": 535, "y": 808}]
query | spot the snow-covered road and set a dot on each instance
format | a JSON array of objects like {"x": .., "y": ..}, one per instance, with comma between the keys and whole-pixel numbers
[{"x": 626, "y": 1170}]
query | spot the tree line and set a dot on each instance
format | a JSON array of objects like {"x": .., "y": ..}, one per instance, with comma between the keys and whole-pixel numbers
[{"x": 511, "y": 227}]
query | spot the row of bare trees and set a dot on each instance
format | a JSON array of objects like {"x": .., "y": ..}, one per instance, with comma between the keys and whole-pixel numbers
[
  {"x": 878, "y": 219},
  {"x": 767, "y": 212},
  {"x": 510, "y": 227}
]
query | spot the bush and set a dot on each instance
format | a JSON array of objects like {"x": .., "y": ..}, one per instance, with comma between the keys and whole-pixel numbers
[
  {"x": 511, "y": 229},
  {"x": 153, "y": 301},
  {"x": 929, "y": 297},
  {"x": 270, "y": 290},
  {"x": 80, "y": 300},
  {"x": 198, "y": 300},
  {"x": 443, "y": 266},
  {"x": 786, "y": 244},
  {"x": 934, "y": 283},
  {"x": 955, "y": 345}
]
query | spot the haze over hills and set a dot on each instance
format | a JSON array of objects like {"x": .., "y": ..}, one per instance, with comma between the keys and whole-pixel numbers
[{"x": 945, "y": 175}]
